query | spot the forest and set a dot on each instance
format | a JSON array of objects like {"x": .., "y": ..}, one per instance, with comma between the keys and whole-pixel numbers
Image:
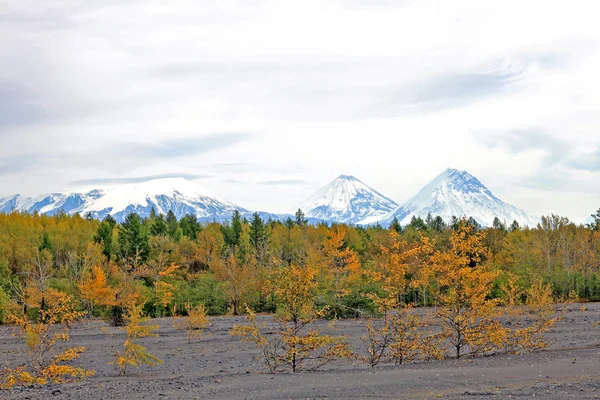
[
  {"x": 59, "y": 269},
  {"x": 225, "y": 266}
]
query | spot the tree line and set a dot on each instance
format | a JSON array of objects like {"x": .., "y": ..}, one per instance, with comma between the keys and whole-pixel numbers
[{"x": 168, "y": 263}]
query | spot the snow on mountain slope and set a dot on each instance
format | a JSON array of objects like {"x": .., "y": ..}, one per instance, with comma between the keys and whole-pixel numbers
[
  {"x": 173, "y": 194},
  {"x": 457, "y": 193},
  {"x": 48, "y": 203},
  {"x": 348, "y": 200}
]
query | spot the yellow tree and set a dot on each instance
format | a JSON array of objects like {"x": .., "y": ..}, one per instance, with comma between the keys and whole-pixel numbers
[
  {"x": 195, "y": 322},
  {"x": 296, "y": 344},
  {"x": 135, "y": 354},
  {"x": 239, "y": 275},
  {"x": 44, "y": 361},
  {"x": 38, "y": 278},
  {"x": 529, "y": 324},
  {"x": 390, "y": 271},
  {"x": 397, "y": 338},
  {"x": 466, "y": 312},
  {"x": 339, "y": 268}
]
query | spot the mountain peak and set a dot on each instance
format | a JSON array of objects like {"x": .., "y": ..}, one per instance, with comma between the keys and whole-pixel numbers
[
  {"x": 348, "y": 200},
  {"x": 458, "y": 193},
  {"x": 348, "y": 178}
]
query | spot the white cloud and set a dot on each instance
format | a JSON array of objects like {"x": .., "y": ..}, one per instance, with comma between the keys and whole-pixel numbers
[{"x": 392, "y": 92}]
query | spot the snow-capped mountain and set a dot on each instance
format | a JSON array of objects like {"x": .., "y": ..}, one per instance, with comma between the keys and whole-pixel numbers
[
  {"x": 348, "y": 200},
  {"x": 460, "y": 194},
  {"x": 163, "y": 195},
  {"x": 49, "y": 203}
]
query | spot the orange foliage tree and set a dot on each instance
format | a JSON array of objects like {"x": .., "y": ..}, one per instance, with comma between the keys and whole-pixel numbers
[{"x": 95, "y": 289}]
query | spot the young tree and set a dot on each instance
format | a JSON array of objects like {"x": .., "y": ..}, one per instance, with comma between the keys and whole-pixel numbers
[
  {"x": 296, "y": 344},
  {"x": 467, "y": 312},
  {"x": 195, "y": 322},
  {"x": 135, "y": 354},
  {"x": 44, "y": 360}
]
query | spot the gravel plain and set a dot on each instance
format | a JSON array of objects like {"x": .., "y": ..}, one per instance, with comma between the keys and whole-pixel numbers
[{"x": 219, "y": 366}]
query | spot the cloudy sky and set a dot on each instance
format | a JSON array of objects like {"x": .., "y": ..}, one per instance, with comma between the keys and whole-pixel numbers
[{"x": 263, "y": 102}]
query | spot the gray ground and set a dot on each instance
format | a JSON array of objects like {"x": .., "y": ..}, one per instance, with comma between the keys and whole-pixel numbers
[{"x": 219, "y": 366}]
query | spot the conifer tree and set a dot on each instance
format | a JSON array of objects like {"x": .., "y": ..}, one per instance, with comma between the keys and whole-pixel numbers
[
  {"x": 301, "y": 218},
  {"x": 395, "y": 225},
  {"x": 189, "y": 226},
  {"x": 172, "y": 224},
  {"x": 417, "y": 223},
  {"x": 258, "y": 232},
  {"x": 235, "y": 231},
  {"x": 499, "y": 225},
  {"x": 158, "y": 226},
  {"x": 104, "y": 235},
  {"x": 515, "y": 226},
  {"x": 133, "y": 240}
]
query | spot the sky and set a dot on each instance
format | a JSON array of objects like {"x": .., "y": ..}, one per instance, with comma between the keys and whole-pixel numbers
[{"x": 264, "y": 102}]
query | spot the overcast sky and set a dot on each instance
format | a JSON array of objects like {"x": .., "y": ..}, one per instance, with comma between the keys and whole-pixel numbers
[{"x": 264, "y": 102}]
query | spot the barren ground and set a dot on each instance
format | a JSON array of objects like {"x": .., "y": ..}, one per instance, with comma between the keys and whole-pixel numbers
[{"x": 219, "y": 366}]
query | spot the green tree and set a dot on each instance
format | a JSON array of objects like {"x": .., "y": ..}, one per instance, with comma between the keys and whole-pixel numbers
[
  {"x": 189, "y": 226},
  {"x": 417, "y": 223},
  {"x": 46, "y": 243},
  {"x": 395, "y": 225},
  {"x": 301, "y": 219},
  {"x": 158, "y": 226},
  {"x": 172, "y": 224},
  {"x": 515, "y": 226},
  {"x": 232, "y": 233},
  {"x": 104, "y": 235},
  {"x": 258, "y": 232},
  {"x": 499, "y": 225},
  {"x": 133, "y": 240},
  {"x": 438, "y": 224}
]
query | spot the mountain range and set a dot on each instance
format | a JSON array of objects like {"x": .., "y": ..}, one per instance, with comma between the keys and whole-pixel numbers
[{"x": 344, "y": 200}]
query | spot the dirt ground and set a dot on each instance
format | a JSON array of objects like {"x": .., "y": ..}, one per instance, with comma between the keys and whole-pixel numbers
[{"x": 219, "y": 366}]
